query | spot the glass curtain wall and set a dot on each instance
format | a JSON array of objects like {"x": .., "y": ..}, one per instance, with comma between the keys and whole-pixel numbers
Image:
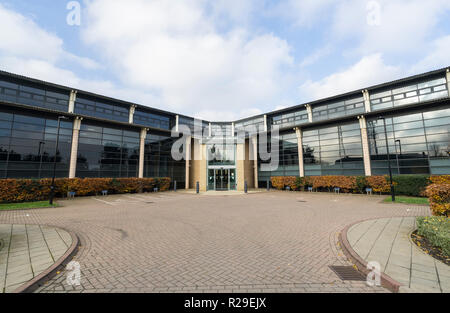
[
  {"x": 27, "y": 146},
  {"x": 158, "y": 161},
  {"x": 419, "y": 143},
  {"x": 107, "y": 152},
  {"x": 287, "y": 155},
  {"x": 34, "y": 95},
  {"x": 335, "y": 150}
]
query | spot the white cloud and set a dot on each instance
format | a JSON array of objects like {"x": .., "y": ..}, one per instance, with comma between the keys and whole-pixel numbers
[
  {"x": 404, "y": 25},
  {"x": 316, "y": 56},
  {"x": 175, "y": 49},
  {"x": 305, "y": 13},
  {"x": 22, "y": 39},
  {"x": 437, "y": 57},
  {"x": 368, "y": 71}
]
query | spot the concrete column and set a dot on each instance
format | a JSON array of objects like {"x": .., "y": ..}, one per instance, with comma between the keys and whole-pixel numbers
[
  {"x": 265, "y": 123},
  {"x": 240, "y": 166},
  {"x": 142, "y": 152},
  {"x": 72, "y": 99},
  {"x": 188, "y": 159},
  {"x": 254, "y": 141},
  {"x": 365, "y": 145},
  {"x": 301, "y": 164},
  {"x": 177, "y": 120},
  {"x": 232, "y": 130},
  {"x": 210, "y": 130},
  {"x": 309, "y": 110},
  {"x": 197, "y": 172},
  {"x": 448, "y": 81},
  {"x": 131, "y": 116},
  {"x": 367, "y": 100},
  {"x": 74, "y": 150}
]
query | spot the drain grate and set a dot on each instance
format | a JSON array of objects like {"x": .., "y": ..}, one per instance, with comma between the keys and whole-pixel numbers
[{"x": 348, "y": 273}]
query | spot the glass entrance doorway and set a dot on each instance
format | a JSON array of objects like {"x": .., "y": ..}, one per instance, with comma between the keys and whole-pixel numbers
[{"x": 222, "y": 179}]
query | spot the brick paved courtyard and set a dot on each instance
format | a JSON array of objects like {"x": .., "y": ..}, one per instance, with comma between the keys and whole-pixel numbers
[{"x": 178, "y": 242}]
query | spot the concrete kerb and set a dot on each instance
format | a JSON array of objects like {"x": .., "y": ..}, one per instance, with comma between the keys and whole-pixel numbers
[
  {"x": 50, "y": 272},
  {"x": 361, "y": 265}
]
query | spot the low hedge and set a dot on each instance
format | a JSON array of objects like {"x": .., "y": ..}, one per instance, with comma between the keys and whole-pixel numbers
[
  {"x": 408, "y": 185},
  {"x": 411, "y": 185},
  {"x": 21, "y": 190},
  {"x": 437, "y": 230},
  {"x": 328, "y": 183}
]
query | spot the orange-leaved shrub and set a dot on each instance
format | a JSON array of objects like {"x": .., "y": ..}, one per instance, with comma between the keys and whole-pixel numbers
[
  {"x": 281, "y": 182},
  {"x": 442, "y": 179},
  {"x": 439, "y": 197},
  {"x": 379, "y": 184},
  {"x": 23, "y": 190}
]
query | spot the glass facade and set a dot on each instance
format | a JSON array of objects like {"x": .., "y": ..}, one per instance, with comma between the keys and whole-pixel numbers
[
  {"x": 221, "y": 155},
  {"x": 152, "y": 120},
  {"x": 96, "y": 108},
  {"x": 418, "y": 135},
  {"x": 291, "y": 119},
  {"x": 29, "y": 94},
  {"x": 338, "y": 109},
  {"x": 158, "y": 160},
  {"x": 335, "y": 150},
  {"x": 221, "y": 130},
  {"x": 419, "y": 143},
  {"x": 107, "y": 151},
  {"x": 412, "y": 93},
  {"x": 288, "y": 157},
  {"x": 27, "y": 146},
  {"x": 251, "y": 125}
]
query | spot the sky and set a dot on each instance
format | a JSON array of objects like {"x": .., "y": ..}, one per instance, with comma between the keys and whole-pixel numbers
[{"x": 223, "y": 59}]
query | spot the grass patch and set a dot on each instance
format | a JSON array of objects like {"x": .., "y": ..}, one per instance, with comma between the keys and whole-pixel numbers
[
  {"x": 436, "y": 229},
  {"x": 27, "y": 205},
  {"x": 408, "y": 200}
]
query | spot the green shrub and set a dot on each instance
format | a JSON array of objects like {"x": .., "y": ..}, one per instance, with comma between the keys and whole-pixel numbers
[
  {"x": 361, "y": 184},
  {"x": 437, "y": 230},
  {"x": 411, "y": 185}
]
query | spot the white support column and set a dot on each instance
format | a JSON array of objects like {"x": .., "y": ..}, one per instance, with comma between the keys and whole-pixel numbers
[
  {"x": 367, "y": 100},
  {"x": 72, "y": 99},
  {"x": 177, "y": 121},
  {"x": 142, "y": 152},
  {"x": 254, "y": 141},
  {"x": 309, "y": 110},
  {"x": 131, "y": 116},
  {"x": 210, "y": 130},
  {"x": 265, "y": 123},
  {"x": 301, "y": 164},
  {"x": 74, "y": 150},
  {"x": 448, "y": 81},
  {"x": 365, "y": 145},
  {"x": 232, "y": 129},
  {"x": 188, "y": 159}
]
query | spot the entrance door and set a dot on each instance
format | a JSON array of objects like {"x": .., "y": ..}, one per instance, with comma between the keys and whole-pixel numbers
[{"x": 222, "y": 179}]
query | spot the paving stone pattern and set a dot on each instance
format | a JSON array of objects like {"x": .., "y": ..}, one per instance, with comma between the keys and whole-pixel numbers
[
  {"x": 27, "y": 251},
  {"x": 178, "y": 242}
]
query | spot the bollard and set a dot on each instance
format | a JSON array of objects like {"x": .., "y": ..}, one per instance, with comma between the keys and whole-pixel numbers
[
  {"x": 198, "y": 187},
  {"x": 245, "y": 187},
  {"x": 268, "y": 185},
  {"x": 175, "y": 186}
]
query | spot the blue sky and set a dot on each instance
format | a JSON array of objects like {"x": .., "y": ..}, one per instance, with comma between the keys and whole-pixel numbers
[{"x": 224, "y": 59}]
